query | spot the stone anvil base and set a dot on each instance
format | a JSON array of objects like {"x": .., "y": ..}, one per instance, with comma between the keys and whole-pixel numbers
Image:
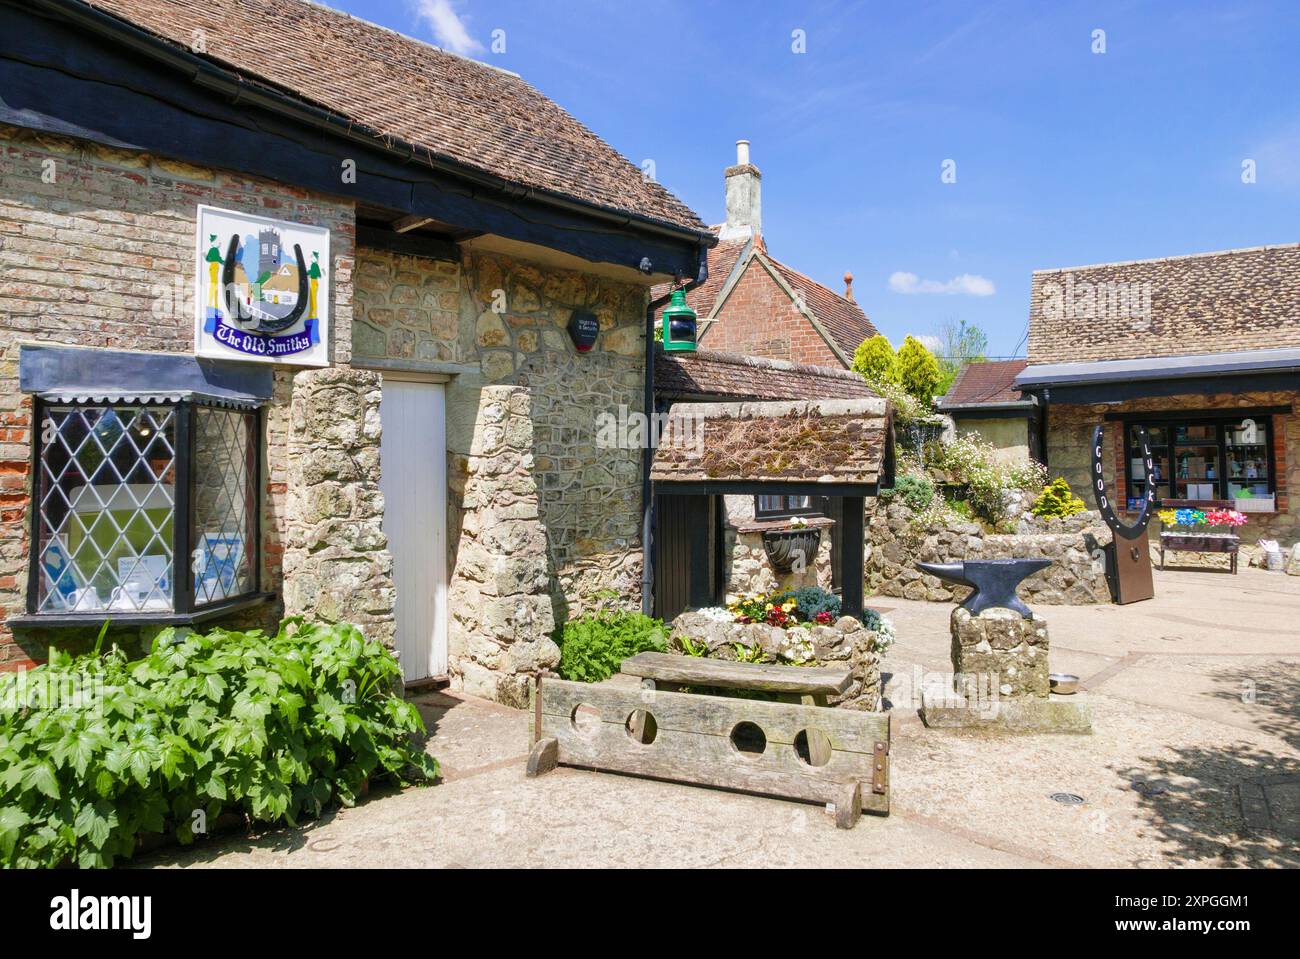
[{"x": 1017, "y": 714}]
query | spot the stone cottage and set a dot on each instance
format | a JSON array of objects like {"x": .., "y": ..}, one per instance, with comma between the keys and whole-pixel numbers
[
  {"x": 1202, "y": 351},
  {"x": 401, "y": 429}
]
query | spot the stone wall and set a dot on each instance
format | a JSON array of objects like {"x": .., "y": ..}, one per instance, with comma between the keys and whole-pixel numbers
[
  {"x": 337, "y": 567},
  {"x": 97, "y": 250},
  {"x": 846, "y": 642},
  {"x": 1069, "y": 440},
  {"x": 896, "y": 544},
  {"x": 501, "y": 595},
  {"x": 519, "y": 389},
  {"x": 748, "y": 568}
]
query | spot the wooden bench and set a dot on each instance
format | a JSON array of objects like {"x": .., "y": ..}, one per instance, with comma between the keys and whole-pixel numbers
[
  {"x": 1194, "y": 543},
  {"x": 796, "y": 750}
]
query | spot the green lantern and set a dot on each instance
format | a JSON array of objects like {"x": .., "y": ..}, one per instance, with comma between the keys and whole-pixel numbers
[{"x": 679, "y": 323}]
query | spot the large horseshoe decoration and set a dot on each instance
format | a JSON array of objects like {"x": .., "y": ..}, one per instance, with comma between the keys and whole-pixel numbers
[
  {"x": 266, "y": 322},
  {"x": 1103, "y": 501}
]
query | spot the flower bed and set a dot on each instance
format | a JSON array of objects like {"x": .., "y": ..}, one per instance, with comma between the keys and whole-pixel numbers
[{"x": 801, "y": 627}]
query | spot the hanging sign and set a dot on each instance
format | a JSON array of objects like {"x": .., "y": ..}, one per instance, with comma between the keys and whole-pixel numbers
[{"x": 263, "y": 291}]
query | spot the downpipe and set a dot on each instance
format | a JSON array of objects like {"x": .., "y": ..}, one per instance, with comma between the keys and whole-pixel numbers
[{"x": 647, "y": 454}]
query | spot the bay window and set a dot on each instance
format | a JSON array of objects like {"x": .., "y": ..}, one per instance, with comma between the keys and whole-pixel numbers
[{"x": 144, "y": 506}]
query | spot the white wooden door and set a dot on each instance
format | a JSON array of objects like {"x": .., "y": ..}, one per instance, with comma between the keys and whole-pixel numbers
[{"x": 413, "y": 462}]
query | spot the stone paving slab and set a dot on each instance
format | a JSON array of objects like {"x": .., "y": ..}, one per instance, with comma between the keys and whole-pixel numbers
[{"x": 1167, "y": 717}]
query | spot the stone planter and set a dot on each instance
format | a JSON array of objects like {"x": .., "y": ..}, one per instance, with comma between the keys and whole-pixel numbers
[
  {"x": 787, "y": 548},
  {"x": 846, "y": 642}
]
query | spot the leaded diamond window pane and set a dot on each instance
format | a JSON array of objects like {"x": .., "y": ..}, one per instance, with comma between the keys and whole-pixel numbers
[
  {"x": 105, "y": 501},
  {"x": 224, "y": 504}
]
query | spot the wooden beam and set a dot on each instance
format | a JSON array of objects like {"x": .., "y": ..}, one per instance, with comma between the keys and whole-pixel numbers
[
  {"x": 412, "y": 221},
  {"x": 429, "y": 247}
]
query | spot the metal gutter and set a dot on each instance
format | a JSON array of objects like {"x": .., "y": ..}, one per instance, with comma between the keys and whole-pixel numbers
[{"x": 1238, "y": 363}]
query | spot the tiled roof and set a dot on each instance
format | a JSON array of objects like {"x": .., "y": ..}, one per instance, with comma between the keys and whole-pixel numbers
[
  {"x": 396, "y": 87},
  {"x": 731, "y": 376},
  {"x": 991, "y": 382},
  {"x": 1230, "y": 301},
  {"x": 843, "y": 319},
  {"x": 817, "y": 441},
  {"x": 722, "y": 260}
]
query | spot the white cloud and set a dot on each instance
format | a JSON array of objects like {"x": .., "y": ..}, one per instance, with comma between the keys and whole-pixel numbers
[
  {"x": 930, "y": 342},
  {"x": 449, "y": 30},
  {"x": 968, "y": 284}
]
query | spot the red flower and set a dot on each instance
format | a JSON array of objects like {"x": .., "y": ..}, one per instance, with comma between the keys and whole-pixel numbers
[{"x": 824, "y": 618}]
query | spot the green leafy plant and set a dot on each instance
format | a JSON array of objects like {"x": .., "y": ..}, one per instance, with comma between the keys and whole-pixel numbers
[
  {"x": 973, "y": 462},
  {"x": 749, "y": 654},
  {"x": 1057, "y": 500},
  {"x": 962, "y": 344},
  {"x": 918, "y": 371},
  {"x": 593, "y": 647},
  {"x": 96, "y": 749},
  {"x": 689, "y": 647},
  {"x": 913, "y": 489},
  {"x": 875, "y": 360}
]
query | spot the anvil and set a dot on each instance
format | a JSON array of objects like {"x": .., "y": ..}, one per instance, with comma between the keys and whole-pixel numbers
[{"x": 994, "y": 581}]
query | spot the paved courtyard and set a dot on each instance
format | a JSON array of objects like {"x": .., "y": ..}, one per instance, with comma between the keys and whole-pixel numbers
[{"x": 1194, "y": 761}]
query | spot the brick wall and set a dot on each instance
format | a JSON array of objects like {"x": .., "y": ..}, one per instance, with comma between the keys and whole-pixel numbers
[
  {"x": 759, "y": 318},
  {"x": 1069, "y": 438},
  {"x": 1207, "y": 303},
  {"x": 92, "y": 244}
]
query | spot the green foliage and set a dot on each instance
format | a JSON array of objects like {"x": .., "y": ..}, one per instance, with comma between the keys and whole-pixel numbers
[
  {"x": 918, "y": 371},
  {"x": 913, "y": 489},
  {"x": 1057, "y": 500},
  {"x": 593, "y": 647},
  {"x": 875, "y": 360},
  {"x": 96, "y": 750},
  {"x": 989, "y": 478},
  {"x": 810, "y": 601}
]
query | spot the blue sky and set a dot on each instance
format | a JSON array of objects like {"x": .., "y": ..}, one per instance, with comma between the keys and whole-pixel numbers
[{"x": 1063, "y": 156}]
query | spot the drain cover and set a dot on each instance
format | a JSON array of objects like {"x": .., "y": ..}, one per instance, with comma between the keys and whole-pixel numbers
[{"x": 1066, "y": 799}]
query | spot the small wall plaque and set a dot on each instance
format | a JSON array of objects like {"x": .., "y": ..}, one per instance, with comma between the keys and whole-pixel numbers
[{"x": 583, "y": 330}]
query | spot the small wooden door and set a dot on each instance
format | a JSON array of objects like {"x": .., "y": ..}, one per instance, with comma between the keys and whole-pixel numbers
[
  {"x": 413, "y": 461},
  {"x": 685, "y": 554}
]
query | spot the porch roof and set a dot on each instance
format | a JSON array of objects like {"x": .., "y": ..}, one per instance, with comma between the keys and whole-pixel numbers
[{"x": 827, "y": 446}]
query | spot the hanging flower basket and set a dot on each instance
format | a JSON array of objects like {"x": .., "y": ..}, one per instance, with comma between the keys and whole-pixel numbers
[{"x": 786, "y": 547}]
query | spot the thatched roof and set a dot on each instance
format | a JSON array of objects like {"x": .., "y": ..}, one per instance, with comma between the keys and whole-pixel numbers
[{"x": 802, "y": 441}]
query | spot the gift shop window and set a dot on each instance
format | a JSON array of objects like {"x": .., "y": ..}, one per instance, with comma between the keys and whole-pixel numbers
[
  {"x": 144, "y": 508},
  {"x": 1201, "y": 459}
]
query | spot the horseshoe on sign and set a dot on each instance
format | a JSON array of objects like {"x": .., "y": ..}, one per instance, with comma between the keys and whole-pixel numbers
[{"x": 1104, "y": 506}]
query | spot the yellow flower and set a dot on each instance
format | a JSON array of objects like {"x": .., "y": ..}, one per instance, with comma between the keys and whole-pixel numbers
[
  {"x": 770, "y": 607},
  {"x": 788, "y": 605}
]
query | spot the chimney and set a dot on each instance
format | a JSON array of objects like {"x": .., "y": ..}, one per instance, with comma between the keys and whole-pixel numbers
[
  {"x": 848, "y": 287},
  {"x": 744, "y": 206}
]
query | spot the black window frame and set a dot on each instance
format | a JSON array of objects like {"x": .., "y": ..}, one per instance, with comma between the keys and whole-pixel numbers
[
  {"x": 185, "y": 609},
  {"x": 817, "y": 506},
  {"x": 1169, "y": 421}
]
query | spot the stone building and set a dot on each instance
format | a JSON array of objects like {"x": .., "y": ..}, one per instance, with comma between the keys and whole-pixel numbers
[
  {"x": 433, "y": 472},
  {"x": 755, "y": 305},
  {"x": 1202, "y": 351}
]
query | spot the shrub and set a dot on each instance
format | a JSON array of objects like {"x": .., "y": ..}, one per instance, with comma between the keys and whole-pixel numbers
[
  {"x": 875, "y": 360},
  {"x": 1057, "y": 500},
  {"x": 593, "y": 647},
  {"x": 96, "y": 750},
  {"x": 918, "y": 371},
  {"x": 914, "y": 490}
]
